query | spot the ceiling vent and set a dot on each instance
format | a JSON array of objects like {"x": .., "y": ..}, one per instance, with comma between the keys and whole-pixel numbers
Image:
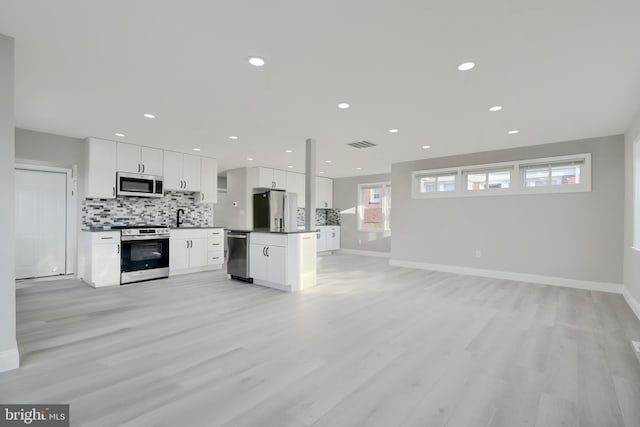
[{"x": 361, "y": 145}]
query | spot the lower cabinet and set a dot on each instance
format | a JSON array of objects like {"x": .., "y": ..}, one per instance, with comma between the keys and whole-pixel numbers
[
  {"x": 100, "y": 258},
  {"x": 283, "y": 261},
  {"x": 328, "y": 237},
  {"x": 190, "y": 250}
]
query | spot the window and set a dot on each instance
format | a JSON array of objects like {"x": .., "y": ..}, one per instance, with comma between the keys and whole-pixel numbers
[
  {"x": 561, "y": 174},
  {"x": 438, "y": 182},
  {"x": 483, "y": 179},
  {"x": 374, "y": 206},
  {"x": 541, "y": 175}
]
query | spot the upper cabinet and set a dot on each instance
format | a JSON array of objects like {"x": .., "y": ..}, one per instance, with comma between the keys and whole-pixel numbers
[
  {"x": 181, "y": 171},
  {"x": 101, "y": 162},
  {"x": 208, "y": 181},
  {"x": 324, "y": 193},
  {"x": 137, "y": 159},
  {"x": 296, "y": 184},
  {"x": 267, "y": 178}
]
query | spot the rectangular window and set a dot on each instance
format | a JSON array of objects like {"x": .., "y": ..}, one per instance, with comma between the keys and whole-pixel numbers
[
  {"x": 438, "y": 183},
  {"x": 550, "y": 174},
  {"x": 561, "y": 174},
  {"x": 374, "y": 206},
  {"x": 492, "y": 179}
]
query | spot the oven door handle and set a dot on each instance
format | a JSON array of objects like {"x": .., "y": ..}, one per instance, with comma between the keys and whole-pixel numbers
[{"x": 149, "y": 237}]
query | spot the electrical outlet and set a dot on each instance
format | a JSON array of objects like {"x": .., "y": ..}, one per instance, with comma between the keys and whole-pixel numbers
[
  {"x": 636, "y": 346},
  {"x": 478, "y": 253}
]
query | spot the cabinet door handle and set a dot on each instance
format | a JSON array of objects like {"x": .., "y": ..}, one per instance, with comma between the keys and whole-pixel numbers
[
  {"x": 202, "y": 194},
  {"x": 267, "y": 250},
  {"x": 143, "y": 168},
  {"x": 114, "y": 191},
  {"x": 118, "y": 247}
]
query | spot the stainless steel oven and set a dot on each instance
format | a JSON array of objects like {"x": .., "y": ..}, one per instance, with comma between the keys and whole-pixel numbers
[
  {"x": 144, "y": 255},
  {"x": 135, "y": 184}
]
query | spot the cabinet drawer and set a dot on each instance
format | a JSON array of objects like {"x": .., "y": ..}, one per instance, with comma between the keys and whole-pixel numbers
[
  {"x": 272, "y": 239},
  {"x": 105, "y": 237},
  {"x": 215, "y": 232},
  {"x": 215, "y": 257},
  {"x": 186, "y": 233},
  {"x": 215, "y": 244}
]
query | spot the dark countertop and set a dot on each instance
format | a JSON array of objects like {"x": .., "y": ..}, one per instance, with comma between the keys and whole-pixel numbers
[
  {"x": 108, "y": 228},
  {"x": 270, "y": 232},
  {"x": 192, "y": 228}
]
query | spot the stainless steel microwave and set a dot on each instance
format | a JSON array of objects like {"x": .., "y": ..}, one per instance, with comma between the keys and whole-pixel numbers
[{"x": 135, "y": 184}]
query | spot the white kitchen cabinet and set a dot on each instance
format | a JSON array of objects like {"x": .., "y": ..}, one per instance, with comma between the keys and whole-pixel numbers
[
  {"x": 296, "y": 184},
  {"x": 137, "y": 159},
  {"x": 100, "y": 258},
  {"x": 178, "y": 254},
  {"x": 192, "y": 250},
  {"x": 181, "y": 172},
  {"x": 324, "y": 193},
  {"x": 101, "y": 163},
  {"x": 328, "y": 237},
  {"x": 173, "y": 171},
  {"x": 283, "y": 261},
  {"x": 208, "y": 181},
  {"x": 191, "y": 172},
  {"x": 268, "y": 178}
]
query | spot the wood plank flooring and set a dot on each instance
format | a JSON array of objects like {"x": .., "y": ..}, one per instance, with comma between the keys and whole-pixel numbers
[{"x": 372, "y": 345}]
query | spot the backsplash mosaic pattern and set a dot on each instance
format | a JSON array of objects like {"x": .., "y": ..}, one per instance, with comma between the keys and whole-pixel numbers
[
  {"x": 323, "y": 217},
  {"x": 132, "y": 211}
]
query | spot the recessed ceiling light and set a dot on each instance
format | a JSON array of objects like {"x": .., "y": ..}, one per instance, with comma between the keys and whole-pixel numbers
[
  {"x": 394, "y": 130},
  {"x": 327, "y": 161},
  {"x": 119, "y": 134},
  {"x": 290, "y": 167},
  {"x": 343, "y": 106},
  {"x": 466, "y": 66},
  {"x": 288, "y": 151},
  {"x": 513, "y": 132},
  {"x": 426, "y": 146},
  {"x": 321, "y": 172},
  {"x": 256, "y": 61},
  {"x": 233, "y": 137},
  {"x": 250, "y": 159},
  {"x": 495, "y": 108},
  {"x": 149, "y": 116},
  {"x": 358, "y": 168},
  {"x": 196, "y": 149}
]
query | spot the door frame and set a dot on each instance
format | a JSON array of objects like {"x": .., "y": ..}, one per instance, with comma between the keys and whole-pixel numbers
[{"x": 71, "y": 240}]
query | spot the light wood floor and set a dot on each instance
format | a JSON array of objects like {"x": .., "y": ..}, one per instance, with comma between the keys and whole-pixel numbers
[{"x": 373, "y": 345}]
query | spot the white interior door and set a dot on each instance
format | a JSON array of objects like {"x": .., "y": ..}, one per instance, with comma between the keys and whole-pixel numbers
[{"x": 41, "y": 223}]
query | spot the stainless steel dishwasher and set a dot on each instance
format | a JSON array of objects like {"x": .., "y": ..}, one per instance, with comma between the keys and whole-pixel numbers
[{"x": 238, "y": 255}]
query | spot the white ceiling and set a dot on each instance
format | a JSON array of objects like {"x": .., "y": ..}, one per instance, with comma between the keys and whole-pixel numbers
[{"x": 562, "y": 70}]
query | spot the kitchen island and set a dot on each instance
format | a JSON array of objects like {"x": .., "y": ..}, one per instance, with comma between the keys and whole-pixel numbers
[{"x": 284, "y": 261}]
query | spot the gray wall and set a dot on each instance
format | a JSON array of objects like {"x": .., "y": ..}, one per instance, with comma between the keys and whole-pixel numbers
[
  {"x": 631, "y": 256},
  {"x": 345, "y": 199},
  {"x": 569, "y": 235},
  {"x": 8, "y": 346}
]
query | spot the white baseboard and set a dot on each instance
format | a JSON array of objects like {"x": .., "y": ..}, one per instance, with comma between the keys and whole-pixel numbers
[
  {"x": 9, "y": 359},
  {"x": 615, "y": 288},
  {"x": 633, "y": 303},
  {"x": 365, "y": 253}
]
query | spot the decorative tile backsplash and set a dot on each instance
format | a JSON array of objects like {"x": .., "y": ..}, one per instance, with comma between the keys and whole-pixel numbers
[
  {"x": 323, "y": 217},
  {"x": 131, "y": 211}
]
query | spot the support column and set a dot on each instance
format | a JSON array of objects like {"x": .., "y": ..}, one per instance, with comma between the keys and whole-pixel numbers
[
  {"x": 9, "y": 358},
  {"x": 310, "y": 185}
]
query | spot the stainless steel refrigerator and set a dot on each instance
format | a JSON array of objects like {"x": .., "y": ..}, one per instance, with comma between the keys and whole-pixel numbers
[{"x": 275, "y": 211}]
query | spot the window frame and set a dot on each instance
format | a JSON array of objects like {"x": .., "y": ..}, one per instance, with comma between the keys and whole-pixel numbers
[
  {"x": 516, "y": 184},
  {"x": 386, "y": 206}
]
